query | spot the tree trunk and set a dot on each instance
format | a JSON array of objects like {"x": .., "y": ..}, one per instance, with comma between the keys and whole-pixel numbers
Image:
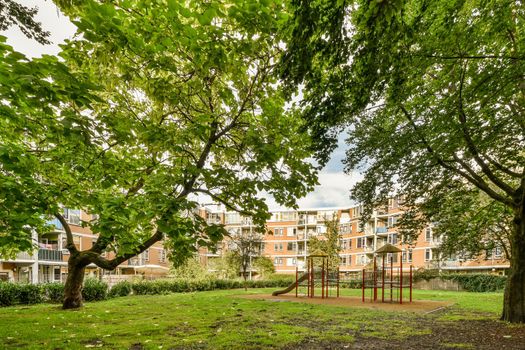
[
  {"x": 74, "y": 282},
  {"x": 514, "y": 300}
]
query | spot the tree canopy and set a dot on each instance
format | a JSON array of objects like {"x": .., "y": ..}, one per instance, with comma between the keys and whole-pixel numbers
[
  {"x": 149, "y": 108},
  {"x": 431, "y": 94}
]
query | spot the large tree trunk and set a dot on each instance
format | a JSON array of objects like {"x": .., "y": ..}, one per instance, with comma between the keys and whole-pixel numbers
[
  {"x": 74, "y": 281},
  {"x": 514, "y": 301}
]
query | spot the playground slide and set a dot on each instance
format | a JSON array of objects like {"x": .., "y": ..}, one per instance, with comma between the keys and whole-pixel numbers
[{"x": 291, "y": 287}]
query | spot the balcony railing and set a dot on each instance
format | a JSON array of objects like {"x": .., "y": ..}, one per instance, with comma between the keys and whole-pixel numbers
[
  {"x": 50, "y": 255},
  {"x": 381, "y": 229},
  {"x": 24, "y": 256},
  {"x": 134, "y": 262}
]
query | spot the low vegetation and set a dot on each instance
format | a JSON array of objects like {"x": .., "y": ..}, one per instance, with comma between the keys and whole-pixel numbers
[{"x": 221, "y": 320}]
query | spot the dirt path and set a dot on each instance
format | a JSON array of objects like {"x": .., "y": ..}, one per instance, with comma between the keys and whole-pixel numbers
[{"x": 419, "y": 306}]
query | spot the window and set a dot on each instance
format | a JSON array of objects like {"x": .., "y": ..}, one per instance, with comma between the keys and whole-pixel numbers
[
  {"x": 146, "y": 255},
  {"x": 162, "y": 255},
  {"x": 278, "y": 231},
  {"x": 72, "y": 216},
  {"x": 361, "y": 242},
  {"x": 497, "y": 252},
  {"x": 291, "y": 246},
  {"x": 392, "y": 221},
  {"x": 278, "y": 261},
  {"x": 56, "y": 276},
  {"x": 407, "y": 254},
  {"x": 428, "y": 234},
  {"x": 428, "y": 254},
  {"x": 343, "y": 260},
  {"x": 392, "y": 238},
  {"x": 278, "y": 247},
  {"x": 232, "y": 218}
]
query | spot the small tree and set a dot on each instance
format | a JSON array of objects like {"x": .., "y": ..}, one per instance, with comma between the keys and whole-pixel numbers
[
  {"x": 330, "y": 245},
  {"x": 191, "y": 269},
  {"x": 264, "y": 266},
  {"x": 246, "y": 246}
]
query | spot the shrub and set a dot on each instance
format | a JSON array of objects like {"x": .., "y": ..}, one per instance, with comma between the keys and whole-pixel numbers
[
  {"x": 120, "y": 289},
  {"x": 478, "y": 282},
  {"x": 8, "y": 294},
  {"x": 53, "y": 292},
  {"x": 29, "y": 293},
  {"x": 94, "y": 290}
]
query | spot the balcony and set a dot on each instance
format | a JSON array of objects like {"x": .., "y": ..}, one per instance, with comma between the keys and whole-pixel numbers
[
  {"x": 134, "y": 262},
  {"x": 382, "y": 229},
  {"x": 50, "y": 255},
  {"x": 24, "y": 256},
  {"x": 54, "y": 222}
]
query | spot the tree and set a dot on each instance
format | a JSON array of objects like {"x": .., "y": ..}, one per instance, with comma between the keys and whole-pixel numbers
[
  {"x": 245, "y": 245},
  {"x": 226, "y": 266},
  {"x": 151, "y": 107},
  {"x": 15, "y": 14},
  {"x": 191, "y": 269},
  {"x": 432, "y": 93},
  {"x": 329, "y": 245},
  {"x": 264, "y": 266}
]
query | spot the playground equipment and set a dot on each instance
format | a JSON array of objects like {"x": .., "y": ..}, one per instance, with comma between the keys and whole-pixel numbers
[
  {"x": 318, "y": 275},
  {"x": 386, "y": 278}
]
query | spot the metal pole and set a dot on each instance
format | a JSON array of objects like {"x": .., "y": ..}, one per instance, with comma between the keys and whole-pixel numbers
[
  {"x": 363, "y": 287},
  {"x": 338, "y": 273},
  {"x": 410, "y": 283},
  {"x": 401, "y": 281},
  {"x": 391, "y": 278},
  {"x": 308, "y": 277},
  {"x": 322, "y": 279},
  {"x": 296, "y": 280},
  {"x": 327, "y": 278},
  {"x": 375, "y": 279},
  {"x": 383, "y": 279}
]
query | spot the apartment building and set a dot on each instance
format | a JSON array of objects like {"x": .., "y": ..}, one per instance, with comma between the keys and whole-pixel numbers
[
  {"x": 289, "y": 231},
  {"x": 48, "y": 262}
]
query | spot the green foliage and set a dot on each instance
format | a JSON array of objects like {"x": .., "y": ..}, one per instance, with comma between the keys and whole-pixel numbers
[
  {"x": 8, "y": 294},
  {"x": 226, "y": 266},
  {"x": 190, "y": 269},
  {"x": 53, "y": 292},
  {"x": 192, "y": 285},
  {"x": 20, "y": 293},
  {"x": 472, "y": 282},
  {"x": 94, "y": 289},
  {"x": 329, "y": 245},
  {"x": 264, "y": 266},
  {"x": 149, "y": 107},
  {"x": 121, "y": 289}
]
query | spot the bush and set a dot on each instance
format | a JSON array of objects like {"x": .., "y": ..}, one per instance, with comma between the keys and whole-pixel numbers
[
  {"x": 472, "y": 282},
  {"x": 120, "y": 289},
  {"x": 30, "y": 293},
  {"x": 8, "y": 294},
  {"x": 478, "y": 282},
  {"x": 94, "y": 289},
  {"x": 53, "y": 292}
]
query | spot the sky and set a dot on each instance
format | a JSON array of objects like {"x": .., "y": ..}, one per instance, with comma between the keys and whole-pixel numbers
[{"x": 334, "y": 185}]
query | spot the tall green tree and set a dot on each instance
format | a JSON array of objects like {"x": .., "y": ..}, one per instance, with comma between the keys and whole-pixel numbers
[
  {"x": 432, "y": 95},
  {"x": 155, "y": 104}
]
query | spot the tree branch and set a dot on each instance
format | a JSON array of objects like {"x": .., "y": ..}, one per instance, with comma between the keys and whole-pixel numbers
[
  {"x": 475, "y": 180},
  {"x": 472, "y": 147},
  {"x": 104, "y": 263},
  {"x": 69, "y": 235}
]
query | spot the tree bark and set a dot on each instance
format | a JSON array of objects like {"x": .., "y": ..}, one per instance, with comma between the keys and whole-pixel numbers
[
  {"x": 74, "y": 282},
  {"x": 514, "y": 300}
]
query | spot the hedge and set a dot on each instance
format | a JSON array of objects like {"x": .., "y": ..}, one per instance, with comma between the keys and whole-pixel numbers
[
  {"x": 95, "y": 290},
  {"x": 472, "y": 282}
]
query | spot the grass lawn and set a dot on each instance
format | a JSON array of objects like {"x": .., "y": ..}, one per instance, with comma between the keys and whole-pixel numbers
[{"x": 220, "y": 320}]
